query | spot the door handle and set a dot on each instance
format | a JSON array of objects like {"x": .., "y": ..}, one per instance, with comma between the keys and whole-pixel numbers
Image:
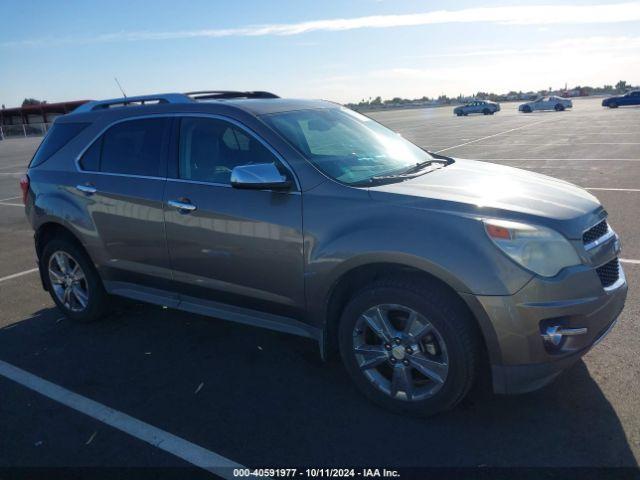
[
  {"x": 183, "y": 207},
  {"x": 87, "y": 189}
]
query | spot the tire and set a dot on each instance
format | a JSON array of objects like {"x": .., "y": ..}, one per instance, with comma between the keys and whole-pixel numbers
[
  {"x": 95, "y": 297},
  {"x": 453, "y": 345},
  {"x": 486, "y": 111},
  {"x": 559, "y": 107},
  {"x": 459, "y": 114},
  {"x": 613, "y": 105},
  {"x": 526, "y": 109}
]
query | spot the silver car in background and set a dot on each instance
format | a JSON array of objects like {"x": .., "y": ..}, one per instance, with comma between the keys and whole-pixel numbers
[
  {"x": 552, "y": 102},
  {"x": 477, "y": 106}
]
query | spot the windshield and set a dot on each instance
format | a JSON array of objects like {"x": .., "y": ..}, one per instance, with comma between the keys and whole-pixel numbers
[{"x": 345, "y": 145}]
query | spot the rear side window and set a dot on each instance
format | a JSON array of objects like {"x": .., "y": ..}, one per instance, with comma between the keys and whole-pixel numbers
[
  {"x": 133, "y": 147},
  {"x": 57, "y": 137},
  {"x": 90, "y": 161}
]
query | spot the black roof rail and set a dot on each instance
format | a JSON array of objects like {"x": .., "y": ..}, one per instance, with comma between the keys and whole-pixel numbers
[
  {"x": 224, "y": 94},
  {"x": 140, "y": 100}
]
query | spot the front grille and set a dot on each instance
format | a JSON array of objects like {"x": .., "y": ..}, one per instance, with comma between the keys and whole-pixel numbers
[
  {"x": 609, "y": 273},
  {"x": 595, "y": 232}
]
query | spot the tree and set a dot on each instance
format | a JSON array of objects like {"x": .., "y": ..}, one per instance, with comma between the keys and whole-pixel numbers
[
  {"x": 621, "y": 86},
  {"x": 31, "y": 101}
]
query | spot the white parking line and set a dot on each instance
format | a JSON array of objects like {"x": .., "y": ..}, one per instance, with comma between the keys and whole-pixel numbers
[
  {"x": 19, "y": 274},
  {"x": 561, "y": 159},
  {"x": 11, "y": 204},
  {"x": 565, "y": 144},
  {"x": 11, "y": 167},
  {"x": 495, "y": 135},
  {"x": 578, "y": 133},
  {"x": 10, "y": 198},
  {"x": 614, "y": 189},
  {"x": 181, "y": 448},
  {"x": 630, "y": 260}
]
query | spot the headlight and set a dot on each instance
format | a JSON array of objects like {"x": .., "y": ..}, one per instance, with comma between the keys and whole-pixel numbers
[{"x": 539, "y": 249}]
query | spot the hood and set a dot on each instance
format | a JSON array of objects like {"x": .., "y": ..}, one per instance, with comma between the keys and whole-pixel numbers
[{"x": 487, "y": 189}]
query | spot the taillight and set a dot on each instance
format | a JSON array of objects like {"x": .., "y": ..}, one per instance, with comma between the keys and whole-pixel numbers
[{"x": 24, "y": 186}]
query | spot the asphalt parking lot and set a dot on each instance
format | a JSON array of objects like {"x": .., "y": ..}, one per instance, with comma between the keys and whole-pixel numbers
[{"x": 261, "y": 398}]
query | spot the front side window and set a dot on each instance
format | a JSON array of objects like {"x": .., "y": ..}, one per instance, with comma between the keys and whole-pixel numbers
[
  {"x": 134, "y": 147},
  {"x": 345, "y": 145},
  {"x": 211, "y": 148}
]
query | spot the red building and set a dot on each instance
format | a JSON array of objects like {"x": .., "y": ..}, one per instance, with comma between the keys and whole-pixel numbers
[{"x": 37, "y": 114}]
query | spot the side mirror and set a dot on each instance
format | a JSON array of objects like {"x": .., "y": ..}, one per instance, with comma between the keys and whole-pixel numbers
[{"x": 259, "y": 176}]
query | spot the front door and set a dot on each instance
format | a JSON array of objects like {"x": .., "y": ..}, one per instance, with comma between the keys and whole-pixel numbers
[{"x": 242, "y": 247}]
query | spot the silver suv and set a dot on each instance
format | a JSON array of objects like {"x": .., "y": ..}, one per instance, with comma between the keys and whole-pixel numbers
[{"x": 305, "y": 217}]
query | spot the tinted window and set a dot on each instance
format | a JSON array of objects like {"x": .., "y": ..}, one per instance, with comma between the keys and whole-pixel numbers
[
  {"x": 210, "y": 149},
  {"x": 91, "y": 159},
  {"x": 57, "y": 137},
  {"x": 134, "y": 147}
]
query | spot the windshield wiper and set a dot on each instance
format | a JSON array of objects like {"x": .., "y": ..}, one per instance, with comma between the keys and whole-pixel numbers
[
  {"x": 412, "y": 172},
  {"x": 420, "y": 165}
]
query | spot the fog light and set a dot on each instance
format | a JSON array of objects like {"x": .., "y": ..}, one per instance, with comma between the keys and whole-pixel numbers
[{"x": 555, "y": 333}]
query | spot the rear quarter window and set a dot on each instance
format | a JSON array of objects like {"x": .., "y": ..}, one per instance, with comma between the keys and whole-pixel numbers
[{"x": 56, "y": 138}]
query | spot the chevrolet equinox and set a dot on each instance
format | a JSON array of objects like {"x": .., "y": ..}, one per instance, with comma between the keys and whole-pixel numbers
[{"x": 308, "y": 218}]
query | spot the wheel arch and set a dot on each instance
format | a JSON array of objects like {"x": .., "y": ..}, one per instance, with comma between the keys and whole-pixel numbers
[
  {"x": 45, "y": 233},
  {"x": 354, "y": 279}
]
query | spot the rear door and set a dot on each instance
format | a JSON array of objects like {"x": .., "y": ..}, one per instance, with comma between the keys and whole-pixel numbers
[
  {"x": 123, "y": 177},
  {"x": 241, "y": 247}
]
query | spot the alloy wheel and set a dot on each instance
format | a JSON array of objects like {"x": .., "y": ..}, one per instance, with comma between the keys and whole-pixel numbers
[
  {"x": 68, "y": 281},
  {"x": 400, "y": 352}
]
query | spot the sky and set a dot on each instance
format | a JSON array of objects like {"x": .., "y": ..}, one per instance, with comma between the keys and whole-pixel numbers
[{"x": 344, "y": 51}]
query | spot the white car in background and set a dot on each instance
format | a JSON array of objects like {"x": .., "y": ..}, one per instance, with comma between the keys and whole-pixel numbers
[{"x": 546, "y": 103}]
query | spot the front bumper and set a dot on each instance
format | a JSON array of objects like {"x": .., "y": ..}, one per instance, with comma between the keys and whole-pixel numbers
[{"x": 575, "y": 300}]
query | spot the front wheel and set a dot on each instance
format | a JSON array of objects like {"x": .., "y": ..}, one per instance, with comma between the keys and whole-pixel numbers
[
  {"x": 486, "y": 111},
  {"x": 409, "y": 347},
  {"x": 73, "y": 281},
  {"x": 526, "y": 109},
  {"x": 613, "y": 105},
  {"x": 559, "y": 107}
]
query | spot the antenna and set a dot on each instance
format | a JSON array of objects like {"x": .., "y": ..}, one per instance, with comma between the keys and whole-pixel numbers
[{"x": 120, "y": 87}]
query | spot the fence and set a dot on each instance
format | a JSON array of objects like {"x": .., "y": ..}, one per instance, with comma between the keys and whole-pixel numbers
[{"x": 24, "y": 130}]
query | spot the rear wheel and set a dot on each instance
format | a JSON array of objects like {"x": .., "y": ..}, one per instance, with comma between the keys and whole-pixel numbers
[
  {"x": 72, "y": 281},
  {"x": 409, "y": 348}
]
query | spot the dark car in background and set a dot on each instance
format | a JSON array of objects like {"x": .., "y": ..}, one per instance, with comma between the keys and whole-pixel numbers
[
  {"x": 629, "y": 98},
  {"x": 423, "y": 271},
  {"x": 477, "y": 106}
]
